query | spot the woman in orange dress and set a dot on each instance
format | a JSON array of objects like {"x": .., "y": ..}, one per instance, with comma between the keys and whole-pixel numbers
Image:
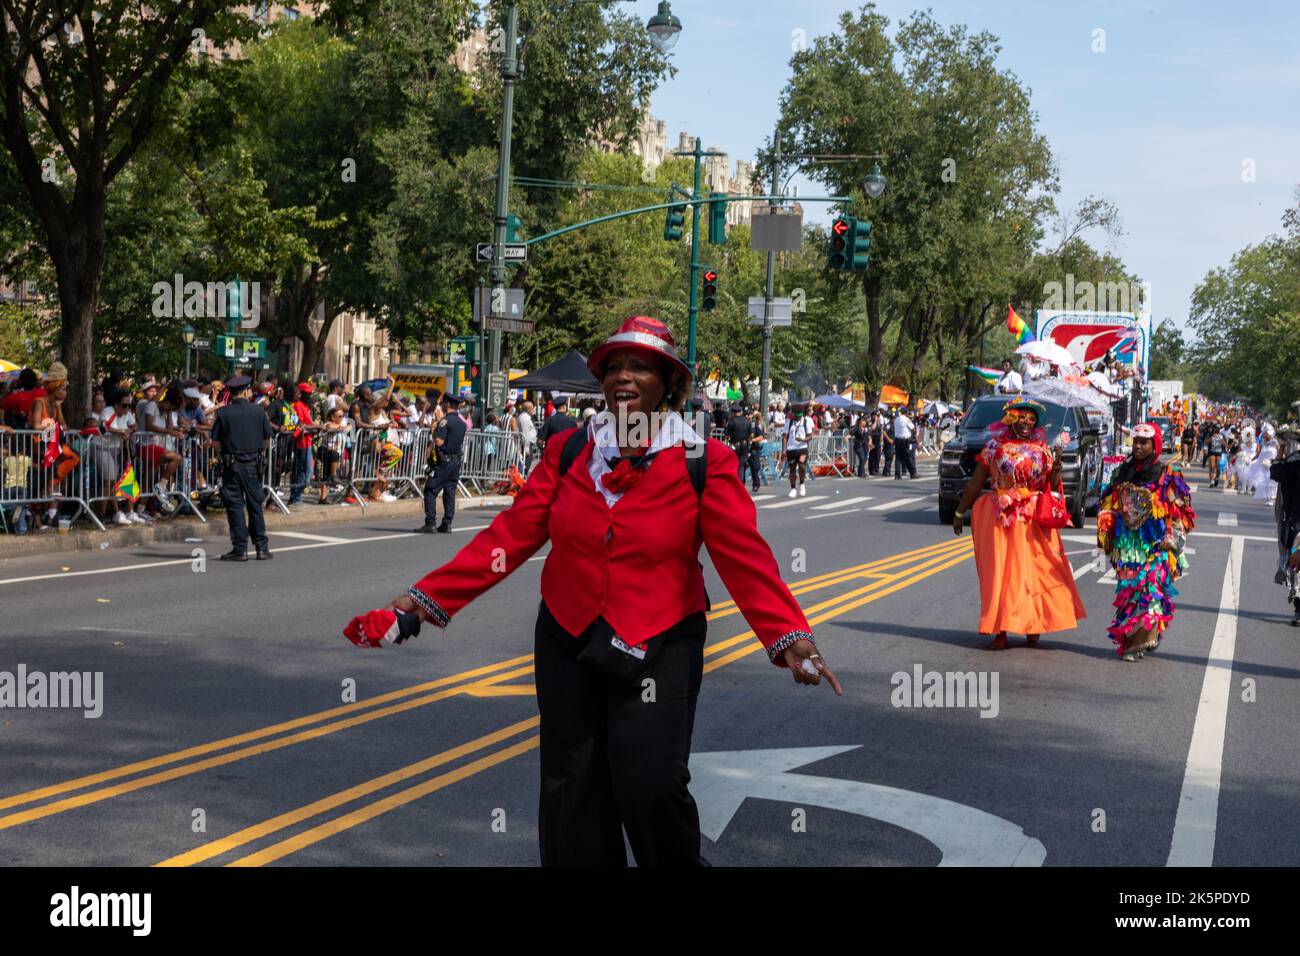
[{"x": 1026, "y": 583}]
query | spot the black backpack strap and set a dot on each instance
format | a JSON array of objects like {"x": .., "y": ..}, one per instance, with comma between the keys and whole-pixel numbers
[
  {"x": 573, "y": 446},
  {"x": 697, "y": 466}
]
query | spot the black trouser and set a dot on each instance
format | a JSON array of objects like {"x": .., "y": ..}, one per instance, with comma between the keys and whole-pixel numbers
[
  {"x": 873, "y": 459},
  {"x": 860, "y": 453},
  {"x": 442, "y": 478},
  {"x": 755, "y": 467},
  {"x": 612, "y": 760},
  {"x": 241, "y": 490},
  {"x": 903, "y": 457},
  {"x": 889, "y": 458}
]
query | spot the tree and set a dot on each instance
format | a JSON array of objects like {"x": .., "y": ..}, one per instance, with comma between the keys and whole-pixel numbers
[
  {"x": 1167, "y": 347},
  {"x": 970, "y": 177},
  {"x": 82, "y": 87}
]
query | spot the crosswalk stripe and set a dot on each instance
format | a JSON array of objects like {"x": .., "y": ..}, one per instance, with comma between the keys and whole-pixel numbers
[
  {"x": 832, "y": 514},
  {"x": 1228, "y": 519},
  {"x": 841, "y": 504},
  {"x": 887, "y": 505},
  {"x": 762, "y": 497},
  {"x": 796, "y": 501}
]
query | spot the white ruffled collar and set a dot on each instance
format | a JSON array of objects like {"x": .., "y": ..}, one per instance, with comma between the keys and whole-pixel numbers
[{"x": 602, "y": 431}]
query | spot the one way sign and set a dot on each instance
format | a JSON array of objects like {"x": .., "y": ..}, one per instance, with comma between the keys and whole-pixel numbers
[{"x": 515, "y": 252}]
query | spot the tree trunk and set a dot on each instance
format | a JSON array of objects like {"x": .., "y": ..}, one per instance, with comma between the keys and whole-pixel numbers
[
  {"x": 79, "y": 268},
  {"x": 875, "y": 335}
]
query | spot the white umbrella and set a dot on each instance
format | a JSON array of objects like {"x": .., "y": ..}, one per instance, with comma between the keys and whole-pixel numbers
[
  {"x": 1102, "y": 384},
  {"x": 935, "y": 408},
  {"x": 1045, "y": 351}
]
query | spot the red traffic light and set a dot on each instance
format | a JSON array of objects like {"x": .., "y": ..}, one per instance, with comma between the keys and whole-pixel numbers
[
  {"x": 840, "y": 227},
  {"x": 710, "y": 276},
  {"x": 473, "y": 370}
]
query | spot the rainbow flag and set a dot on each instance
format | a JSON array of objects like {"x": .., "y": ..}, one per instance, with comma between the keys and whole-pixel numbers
[
  {"x": 128, "y": 486},
  {"x": 1016, "y": 326},
  {"x": 990, "y": 376}
]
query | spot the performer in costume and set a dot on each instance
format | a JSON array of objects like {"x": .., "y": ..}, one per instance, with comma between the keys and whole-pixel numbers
[
  {"x": 1145, "y": 517},
  {"x": 1257, "y": 472},
  {"x": 623, "y": 605},
  {"x": 1285, "y": 474},
  {"x": 1026, "y": 583}
]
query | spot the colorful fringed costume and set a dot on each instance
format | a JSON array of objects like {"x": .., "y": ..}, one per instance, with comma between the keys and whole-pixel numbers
[
  {"x": 1143, "y": 523},
  {"x": 1026, "y": 584}
]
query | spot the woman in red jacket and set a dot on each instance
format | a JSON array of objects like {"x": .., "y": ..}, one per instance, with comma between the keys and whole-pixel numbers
[{"x": 620, "y": 633}]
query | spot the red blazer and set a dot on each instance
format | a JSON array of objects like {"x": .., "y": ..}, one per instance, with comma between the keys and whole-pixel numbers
[{"x": 637, "y": 564}]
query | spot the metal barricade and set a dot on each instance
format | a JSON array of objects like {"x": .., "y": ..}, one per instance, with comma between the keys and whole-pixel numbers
[
  {"x": 487, "y": 457},
  {"x": 26, "y": 480},
  {"x": 831, "y": 452},
  {"x": 157, "y": 460}
]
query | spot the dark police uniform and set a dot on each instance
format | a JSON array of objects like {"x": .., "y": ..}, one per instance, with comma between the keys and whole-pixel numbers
[
  {"x": 444, "y": 471},
  {"x": 243, "y": 429},
  {"x": 739, "y": 436}
]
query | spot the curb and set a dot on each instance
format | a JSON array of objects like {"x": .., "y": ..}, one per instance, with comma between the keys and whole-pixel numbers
[{"x": 187, "y": 526}]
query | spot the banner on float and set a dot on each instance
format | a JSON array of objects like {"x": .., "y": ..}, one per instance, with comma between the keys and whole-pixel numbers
[{"x": 1088, "y": 336}]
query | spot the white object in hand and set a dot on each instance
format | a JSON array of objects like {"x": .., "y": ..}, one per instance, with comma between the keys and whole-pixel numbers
[
  {"x": 808, "y": 667},
  {"x": 1063, "y": 439}
]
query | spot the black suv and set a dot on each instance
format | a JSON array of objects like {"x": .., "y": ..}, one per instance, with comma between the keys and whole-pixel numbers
[{"x": 1080, "y": 460}]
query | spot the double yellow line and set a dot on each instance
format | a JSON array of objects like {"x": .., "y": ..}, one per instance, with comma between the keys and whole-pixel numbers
[
  {"x": 917, "y": 565},
  {"x": 885, "y": 576}
]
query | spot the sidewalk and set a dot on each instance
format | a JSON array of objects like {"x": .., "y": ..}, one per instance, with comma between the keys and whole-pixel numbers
[{"x": 187, "y": 526}]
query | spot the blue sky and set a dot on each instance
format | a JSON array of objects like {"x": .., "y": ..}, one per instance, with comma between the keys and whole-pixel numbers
[{"x": 1161, "y": 122}]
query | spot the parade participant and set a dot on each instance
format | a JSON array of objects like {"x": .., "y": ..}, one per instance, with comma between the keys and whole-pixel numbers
[
  {"x": 861, "y": 436},
  {"x": 1257, "y": 474},
  {"x": 1247, "y": 453},
  {"x": 1214, "y": 447},
  {"x": 1145, "y": 517},
  {"x": 1026, "y": 582},
  {"x": 1285, "y": 472},
  {"x": 626, "y": 503},
  {"x": 243, "y": 430},
  {"x": 1188, "y": 450},
  {"x": 1010, "y": 383},
  {"x": 758, "y": 438},
  {"x": 794, "y": 445},
  {"x": 442, "y": 472}
]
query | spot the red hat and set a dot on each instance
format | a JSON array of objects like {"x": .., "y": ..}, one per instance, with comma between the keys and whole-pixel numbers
[
  {"x": 642, "y": 333},
  {"x": 306, "y": 388}
]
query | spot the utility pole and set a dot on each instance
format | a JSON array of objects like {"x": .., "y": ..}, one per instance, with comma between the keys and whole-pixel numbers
[
  {"x": 509, "y": 74},
  {"x": 767, "y": 294},
  {"x": 693, "y": 311}
]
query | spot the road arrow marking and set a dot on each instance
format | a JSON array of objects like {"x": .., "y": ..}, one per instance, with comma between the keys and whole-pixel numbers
[{"x": 964, "y": 835}]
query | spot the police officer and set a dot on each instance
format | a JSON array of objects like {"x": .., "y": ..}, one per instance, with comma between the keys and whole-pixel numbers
[
  {"x": 740, "y": 437},
  {"x": 243, "y": 430},
  {"x": 443, "y": 469}
]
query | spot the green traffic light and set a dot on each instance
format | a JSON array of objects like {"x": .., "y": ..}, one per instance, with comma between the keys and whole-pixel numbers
[
  {"x": 674, "y": 225},
  {"x": 717, "y": 218}
]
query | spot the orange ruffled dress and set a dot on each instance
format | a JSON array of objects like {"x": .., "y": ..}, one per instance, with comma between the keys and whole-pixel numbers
[{"x": 1026, "y": 582}]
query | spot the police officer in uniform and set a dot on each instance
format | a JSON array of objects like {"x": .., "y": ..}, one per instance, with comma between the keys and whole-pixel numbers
[
  {"x": 443, "y": 470},
  {"x": 243, "y": 430}
]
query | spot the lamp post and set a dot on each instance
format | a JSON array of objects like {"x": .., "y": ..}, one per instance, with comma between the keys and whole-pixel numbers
[
  {"x": 663, "y": 28},
  {"x": 187, "y": 334}
]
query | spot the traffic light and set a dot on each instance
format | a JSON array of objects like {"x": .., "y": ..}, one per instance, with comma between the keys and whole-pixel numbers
[
  {"x": 709, "y": 290},
  {"x": 674, "y": 224},
  {"x": 837, "y": 259},
  {"x": 473, "y": 371},
  {"x": 512, "y": 228},
  {"x": 850, "y": 241},
  {"x": 717, "y": 219},
  {"x": 859, "y": 243}
]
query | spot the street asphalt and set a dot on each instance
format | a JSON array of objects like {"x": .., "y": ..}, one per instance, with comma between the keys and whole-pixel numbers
[{"x": 227, "y": 736}]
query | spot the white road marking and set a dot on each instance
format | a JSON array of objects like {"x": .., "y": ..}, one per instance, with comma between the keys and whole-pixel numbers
[
  {"x": 886, "y": 506},
  {"x": 1227, "y": 519},
  {"x": 127, "y": 630},
  {"x": 965, "y": 835},
  {"x": 831, "y": 514},
  {"x": 309, "y": 537},
  {"x": 789, "y": 502},
  {"x": 171, "y": 563},
  {"x": 1198, "y": 803},
  {"x": 841, "y": 504},
  {"x": 1084, "y": 569},
  {"x": 761, "y": 497}
]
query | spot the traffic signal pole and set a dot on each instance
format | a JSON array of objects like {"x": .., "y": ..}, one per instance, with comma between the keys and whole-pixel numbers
[
  {"x": 693, "y": 310},
  {"x": 509, "y": 74},
  {"x": 768, "y": 290}
]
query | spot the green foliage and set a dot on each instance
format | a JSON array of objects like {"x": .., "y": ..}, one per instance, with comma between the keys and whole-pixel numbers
[{"x": 1247, "y": 323}]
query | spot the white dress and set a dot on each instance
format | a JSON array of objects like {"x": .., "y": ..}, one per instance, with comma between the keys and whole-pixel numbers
[{"x": 1257, "y": 475}]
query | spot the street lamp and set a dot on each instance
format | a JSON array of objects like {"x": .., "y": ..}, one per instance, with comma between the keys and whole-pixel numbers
[
  {"x": 187, "y": 334},
  {"x": 664, "y": 28},
  {"x": 875, "y": 183}
]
